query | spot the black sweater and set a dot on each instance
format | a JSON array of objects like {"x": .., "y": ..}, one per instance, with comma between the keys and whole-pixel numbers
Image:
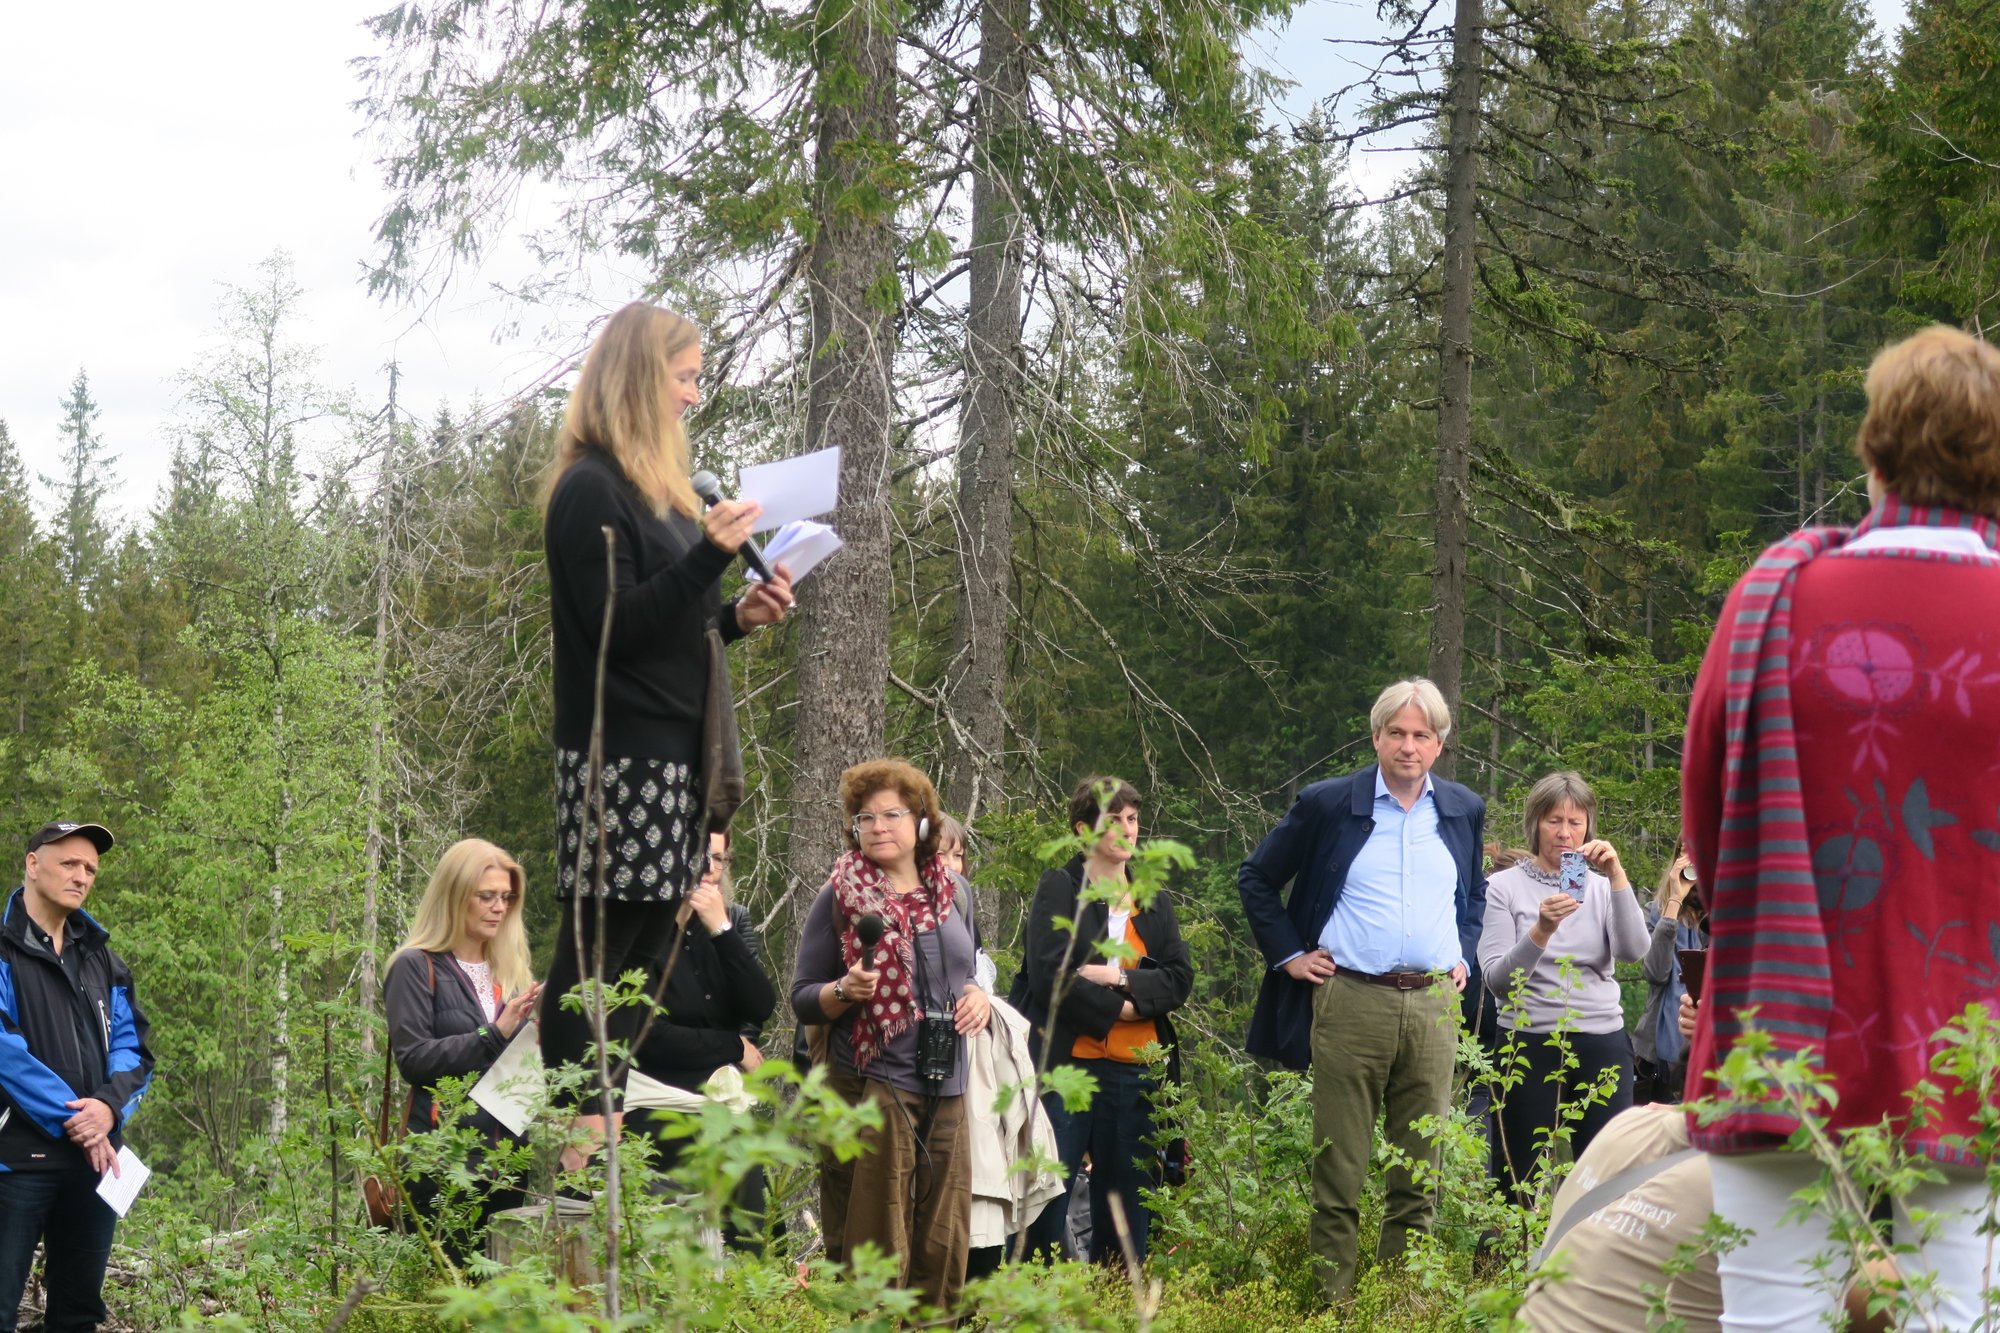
[
  {"x": 669, "y": 592},
  {"x": 717, "y": 994},
  {"x": 1161, "y": 984}
]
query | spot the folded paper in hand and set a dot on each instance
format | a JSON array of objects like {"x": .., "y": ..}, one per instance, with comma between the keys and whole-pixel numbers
[
  {"x": 792, "y": 488},
  {"x": 511, "y": 1089},
  {"x": 725, "y": 1085},
  {"x": 800, "y": 547},
  {"x": 118, "y": 1191}
]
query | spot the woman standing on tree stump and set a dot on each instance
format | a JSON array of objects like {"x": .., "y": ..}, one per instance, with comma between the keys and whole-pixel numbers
[{"x": 622, "y": 465}]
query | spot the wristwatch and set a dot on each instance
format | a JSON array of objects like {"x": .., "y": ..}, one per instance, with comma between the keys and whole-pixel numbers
[{"x": 840, "y": 989}]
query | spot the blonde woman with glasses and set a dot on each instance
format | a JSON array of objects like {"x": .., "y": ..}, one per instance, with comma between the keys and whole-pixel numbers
[{"x": 457, "y": 992}]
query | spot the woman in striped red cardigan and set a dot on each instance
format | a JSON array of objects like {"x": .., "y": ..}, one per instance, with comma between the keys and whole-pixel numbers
[{"x": 1841, "y": 793}]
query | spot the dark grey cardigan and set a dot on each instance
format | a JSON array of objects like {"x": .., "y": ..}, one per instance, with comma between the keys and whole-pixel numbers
[{"x": 436, "y": 1031}]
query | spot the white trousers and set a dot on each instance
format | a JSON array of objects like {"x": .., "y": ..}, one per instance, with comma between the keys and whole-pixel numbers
[{"x": 1790, "y": 1273}]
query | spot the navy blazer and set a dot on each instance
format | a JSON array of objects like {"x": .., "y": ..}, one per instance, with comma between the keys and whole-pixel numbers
[{"x": 1312, "y": 849}]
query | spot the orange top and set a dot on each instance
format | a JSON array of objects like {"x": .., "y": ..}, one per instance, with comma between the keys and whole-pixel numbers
[{"x": 1127, "y": 1036}]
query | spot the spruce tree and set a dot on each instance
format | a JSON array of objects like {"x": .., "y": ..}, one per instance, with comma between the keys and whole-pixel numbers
[{"x": 82, "y": 529}]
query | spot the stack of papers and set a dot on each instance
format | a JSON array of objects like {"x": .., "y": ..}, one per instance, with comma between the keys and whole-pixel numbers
[{"x": 800, "y": 546}]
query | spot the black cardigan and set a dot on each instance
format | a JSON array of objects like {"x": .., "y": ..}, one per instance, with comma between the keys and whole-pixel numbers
[
  {"x": 669, "y": 592},
  {"x": 1161, "y": 984},
  {"x": 717, "y": 994}
]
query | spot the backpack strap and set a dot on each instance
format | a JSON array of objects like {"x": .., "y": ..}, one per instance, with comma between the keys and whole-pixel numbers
[{"x": 1606, "y": 1192}]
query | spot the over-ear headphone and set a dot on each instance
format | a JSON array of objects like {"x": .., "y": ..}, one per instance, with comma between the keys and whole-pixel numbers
[{"x": 923, "y": 828}]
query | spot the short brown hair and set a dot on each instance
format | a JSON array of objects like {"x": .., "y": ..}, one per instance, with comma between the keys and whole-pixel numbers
[
  {"x": 1932, "y": 430},
  {"x": 1096, "y": 797},
  {"x": 1552, "y": 791},
  {"x": 863, "y": 781}
]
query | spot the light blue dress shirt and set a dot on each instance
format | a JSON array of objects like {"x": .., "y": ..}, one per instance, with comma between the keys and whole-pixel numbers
[{"x": 1398, "y": 911}]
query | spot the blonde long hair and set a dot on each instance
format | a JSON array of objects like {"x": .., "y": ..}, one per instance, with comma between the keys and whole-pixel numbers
[
  {"x": 440, "y": 919},
  {"x": 621, "y": 405}
]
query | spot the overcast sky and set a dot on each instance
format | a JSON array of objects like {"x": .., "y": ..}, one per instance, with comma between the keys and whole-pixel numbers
[{"x": 152, "y": 153}]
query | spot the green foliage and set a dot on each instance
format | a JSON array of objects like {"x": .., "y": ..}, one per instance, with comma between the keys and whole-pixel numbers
[
  {"x": 1242, "y": 1219},
  {"x": 1935, "y": 122},
  {"x": 1699, "y": 224}
]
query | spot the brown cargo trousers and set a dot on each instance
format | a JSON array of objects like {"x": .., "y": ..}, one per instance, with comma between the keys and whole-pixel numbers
[{"x": 910, "y": 1192}]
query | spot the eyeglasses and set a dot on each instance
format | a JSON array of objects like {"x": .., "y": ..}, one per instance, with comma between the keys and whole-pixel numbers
[
  {"x": 863, "y": 823},
  {"x": 716, "y": 862},
  {"x": 487, "y": 898}
]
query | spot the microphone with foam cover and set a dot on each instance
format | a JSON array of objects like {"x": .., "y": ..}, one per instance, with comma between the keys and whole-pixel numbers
[
  {"x": 710, "y": 490},
  {"x": 868, "y": 929}
]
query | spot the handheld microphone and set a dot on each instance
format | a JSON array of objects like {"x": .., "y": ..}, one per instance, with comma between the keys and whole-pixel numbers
[
  {"x": 710, "y": 490},
  {"x": 868, "y": 929}
]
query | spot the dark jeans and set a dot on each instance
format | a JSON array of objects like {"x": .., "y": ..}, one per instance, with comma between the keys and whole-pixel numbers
[
  {"x": 1530, "y": 1109},
  {"x": 1653, "y": 1083},
  {"x": 637, "y": 935},
  {"x": 1114, "y": 1131},
  {"x": 61, "y": 1209}
]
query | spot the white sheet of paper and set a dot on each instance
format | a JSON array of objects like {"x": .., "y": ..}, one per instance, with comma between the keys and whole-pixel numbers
[
  {"x": 793, "y": 488},
  {"x": 801, "y": 546},
  {"x": 121, "y": 1189},
  {"x": 511, "y": 1088}
]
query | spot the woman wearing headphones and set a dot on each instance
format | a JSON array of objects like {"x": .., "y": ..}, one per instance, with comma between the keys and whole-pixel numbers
[{"x": 899, "y": 1015}]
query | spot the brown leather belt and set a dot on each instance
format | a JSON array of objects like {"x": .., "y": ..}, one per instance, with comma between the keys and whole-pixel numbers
[{"x": 1393, "y": 980}]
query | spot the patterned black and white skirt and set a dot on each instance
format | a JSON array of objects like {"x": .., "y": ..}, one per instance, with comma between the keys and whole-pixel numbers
[{"x": 654, "y": 845}]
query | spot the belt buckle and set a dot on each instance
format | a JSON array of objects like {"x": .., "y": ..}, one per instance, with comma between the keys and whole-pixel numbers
[{"x": 1412, "y": 980}]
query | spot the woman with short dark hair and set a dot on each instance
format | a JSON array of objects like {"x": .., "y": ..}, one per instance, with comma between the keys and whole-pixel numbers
[
  {"x": 1550, "y": 958},
  {"x": 899, "y": 1014},
  {"x": 718, "y": 996},
  {"x": 1106, "y": 1016}
]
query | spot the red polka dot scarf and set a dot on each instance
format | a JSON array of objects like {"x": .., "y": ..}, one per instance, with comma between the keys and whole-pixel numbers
[{"x": 860, "y": 887}]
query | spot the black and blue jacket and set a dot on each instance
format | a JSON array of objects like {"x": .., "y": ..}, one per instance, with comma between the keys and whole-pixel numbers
[{"x": 65, "y": 1033}]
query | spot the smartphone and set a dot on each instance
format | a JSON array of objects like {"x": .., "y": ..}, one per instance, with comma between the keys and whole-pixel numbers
[
  {"x": 1694, "y": 968},
  {"x": 1570, "y": 876}
]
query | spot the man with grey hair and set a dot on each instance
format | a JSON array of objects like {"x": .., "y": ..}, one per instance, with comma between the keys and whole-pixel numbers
[{"x": 1387, "y": 898}]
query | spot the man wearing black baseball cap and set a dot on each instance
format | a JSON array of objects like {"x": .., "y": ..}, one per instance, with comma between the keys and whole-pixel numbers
[{"x": 73, "y": 1065}]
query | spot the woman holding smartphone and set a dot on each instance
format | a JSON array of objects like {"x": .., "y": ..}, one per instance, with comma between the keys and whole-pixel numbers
[
  {"x": 1675, "y": 919},
  {"x": 1557, "y": 925}
]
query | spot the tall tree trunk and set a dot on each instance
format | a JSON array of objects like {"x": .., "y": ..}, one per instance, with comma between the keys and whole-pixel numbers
[
  {"x": 1451, "y": 496},
  {"x": 977, "y": 684},
  {"x": 371, "y": 884},
  {"x": 844, "y": 610}
]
